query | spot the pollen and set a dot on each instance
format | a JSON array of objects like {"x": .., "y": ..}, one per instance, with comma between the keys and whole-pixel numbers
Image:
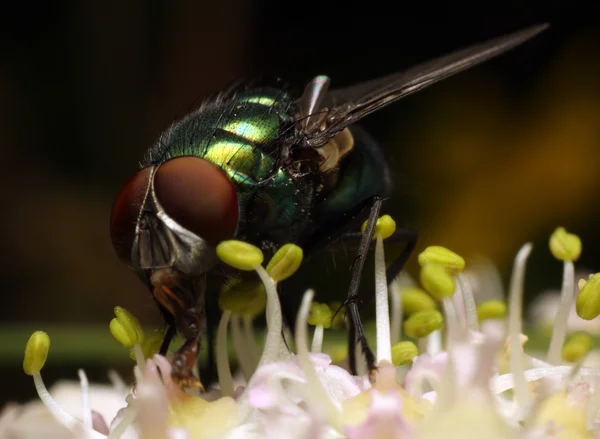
[
  {"x": 240, "y": 255},
  {"x": 151, "y": 344},
  {"x": 491, "y": 309},
  {"x": 403, "y": 352},
  {"x": 384, "y": 227},
  {"x": 437, "y": 281},
  {"x": 126, "y": 328},
  {"x": 423, "y": 323},
  {"x": 338, "y": 311},
  {"x": 285, "y": 262},
  {"x": 36, "y": 352},
  {"x": 565, "y": 246},
  {"x": 320, "y": 315},
  {"x": 587, "y": 304},
  {"x": 416, "y": 299},
  {"x": 243, "y": 297},
  {"x": 577, "y": 347},
  {"x": 442, "y": 256}
]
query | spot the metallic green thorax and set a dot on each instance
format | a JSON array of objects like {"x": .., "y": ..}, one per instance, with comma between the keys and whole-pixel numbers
[{"x": 242, "y": 135}]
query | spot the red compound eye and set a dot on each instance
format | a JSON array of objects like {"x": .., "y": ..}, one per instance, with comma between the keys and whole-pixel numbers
[
  {"x": 126, "y": 210},
  {"x": 199, "y": 196}
]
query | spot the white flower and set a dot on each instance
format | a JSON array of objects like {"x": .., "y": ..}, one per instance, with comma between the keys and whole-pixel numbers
[{"x": 473, "y": 380}]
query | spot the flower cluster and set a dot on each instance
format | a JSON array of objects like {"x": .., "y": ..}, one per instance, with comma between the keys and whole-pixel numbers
[{"x": 461, "y": 370}]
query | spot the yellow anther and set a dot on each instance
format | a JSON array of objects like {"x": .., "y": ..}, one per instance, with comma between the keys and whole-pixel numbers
[
  {"x": 152, "y": 343},
  {"x": 423, "y": 323},
  {"x": 320, "y": 315},
  {"x": 384, "y": 227},
  {"x": 437, "y": 281},
  {"x": 338, "y": 352},
  {"x": 337, "y": 320},
  {"x": 403, "y": 352},
  {"x": 565, "y": 246},
  {"x": 577, "y": 347},
  {"x": 491, "y": 309},
  {"x": 240, "y": 255},
  {"x": 126, "y": 329},
  {"x": 243, "y": 297},
  {"x": 588, "y": 299},
  {"x": 415, "y": 299},
  {"x": 581, "y": 283},
  {"x": 436, "y": 254},
  {"x": 285, "y": 262},
  {"x": 36, "y": 352}
]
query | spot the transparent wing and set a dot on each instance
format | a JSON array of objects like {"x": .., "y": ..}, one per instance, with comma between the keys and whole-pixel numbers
[{"x": 324, "y": 113}]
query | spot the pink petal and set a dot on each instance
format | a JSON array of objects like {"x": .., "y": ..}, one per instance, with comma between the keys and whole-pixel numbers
[{"x": 384, "y": 419}]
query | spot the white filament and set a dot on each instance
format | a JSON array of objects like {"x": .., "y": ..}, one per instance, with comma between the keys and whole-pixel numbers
[
  {"x": 468, "y": 302},
  {"x": 382, "y": 308},
  {"x": 396, "y": 298},
  {"x": 59, "y": 414},
  {"x": 273, "y": 339},
  {"x": 562, "y": 316},
  {"x": 85, "y": 400},
  {"x": 515, "y": 299},
  {"x": 242, "y": 350},
  {"x": 223, "y": 369},
  {"x": 317, "y": 341},
  {"x": 316, "y": 395}
]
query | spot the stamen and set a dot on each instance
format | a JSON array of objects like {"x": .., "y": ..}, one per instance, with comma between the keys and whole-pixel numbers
[
  {"x": 130, "y": 415},
  {"x": 139, "y": 356},
  {"x": 587, "y": 304},
  {"x": 469, "y": 302},
  {"x": 126, "y": 328},
  {"x": 241, "y": 348},
  {"x": 117, "y": 382},
  {"x": 522, "y": 396},
  {"x": 434, "y": 343},
  {"x": 320, "y": 315},
  {"x": 59, "y": 414},
  {"x": 36, "y": 353},
  {"x": 559, "y": 330},
  {"x": 403, "y": 353},
  {"x": 85, "y": 400},
  {"x": 382, "y": 310},
  {"x": 396, "y": 326},
  {"x": 253, "y": 349},
  {"x": 223, "y": 369},
  {"x": 491, "y": 309},
  {"x": 577, "y": 347},
  {"x": 317, "y": 341},
  {"x": 240, "y": 255},
  {"x": 316, "y": 395},
  {"x": 285, "y": 262},
  {"x": 274, "y": 320}
]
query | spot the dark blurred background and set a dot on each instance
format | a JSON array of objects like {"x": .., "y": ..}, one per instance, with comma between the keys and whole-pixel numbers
[{"x": 485, "y": 161}]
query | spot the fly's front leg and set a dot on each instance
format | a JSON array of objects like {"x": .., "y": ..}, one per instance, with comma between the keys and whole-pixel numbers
[
  {"x": 401, "y": 237},
  {"x": 351, "y": 301},
  {"x": 189, "y": 324}
]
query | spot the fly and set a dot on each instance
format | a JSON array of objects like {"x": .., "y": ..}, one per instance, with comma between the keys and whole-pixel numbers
[{"x": 267, "y": 166}]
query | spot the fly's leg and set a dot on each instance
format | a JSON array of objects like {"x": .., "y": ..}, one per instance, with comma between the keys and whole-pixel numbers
[
  {"x": 405, "y": 237},
  {"x": 356, "y": 326},
  {"x": 170, "y": 334},
  {"x": 189, "y": 325}
]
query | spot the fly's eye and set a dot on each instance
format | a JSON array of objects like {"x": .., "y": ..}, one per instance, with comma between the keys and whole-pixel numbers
[
  {"x": 126, "y": 210},
  {"x": 199, "y": 196}
]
